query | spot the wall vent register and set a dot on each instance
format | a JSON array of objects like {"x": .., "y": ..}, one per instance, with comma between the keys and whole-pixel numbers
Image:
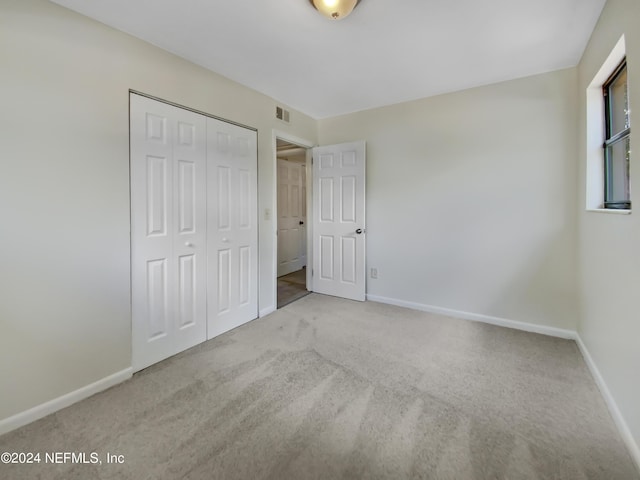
[{"x": 282, "y": 114}]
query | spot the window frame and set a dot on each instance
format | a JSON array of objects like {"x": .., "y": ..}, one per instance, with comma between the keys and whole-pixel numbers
[{"x": 612, "y": 138}]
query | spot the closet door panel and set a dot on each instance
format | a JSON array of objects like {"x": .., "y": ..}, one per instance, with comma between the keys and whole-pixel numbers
[
  {"x": 232, "y": 235},
  {"x": 168, "y": 230}
]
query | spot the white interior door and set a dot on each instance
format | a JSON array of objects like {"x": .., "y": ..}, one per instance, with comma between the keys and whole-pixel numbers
[
  {"x": 291, "y": 217},
  {"x": 168, "y": 228},
  {"x": 232, "y": 226},
  {"x": 339, "y": 220}
]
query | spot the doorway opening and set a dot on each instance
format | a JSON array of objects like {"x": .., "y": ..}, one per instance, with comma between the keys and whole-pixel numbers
[{"x": 291, "y": 216}]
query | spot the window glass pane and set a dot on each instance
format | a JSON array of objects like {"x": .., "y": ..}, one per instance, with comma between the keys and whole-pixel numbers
[
  {"x": 618, "y": 173},
  {"x": 619, "y": 103}
]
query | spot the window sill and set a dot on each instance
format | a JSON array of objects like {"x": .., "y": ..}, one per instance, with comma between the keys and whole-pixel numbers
[{"x": 610, "y": 210}]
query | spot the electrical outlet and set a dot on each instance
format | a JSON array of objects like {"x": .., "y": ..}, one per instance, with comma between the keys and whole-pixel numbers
[{"x": 374, "y": 273}]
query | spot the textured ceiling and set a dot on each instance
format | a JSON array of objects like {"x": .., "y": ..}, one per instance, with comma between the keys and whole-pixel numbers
[{"x": 385, "y": 52}]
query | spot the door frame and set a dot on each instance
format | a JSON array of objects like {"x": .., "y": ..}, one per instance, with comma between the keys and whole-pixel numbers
[{"x": 301, "y": 142}]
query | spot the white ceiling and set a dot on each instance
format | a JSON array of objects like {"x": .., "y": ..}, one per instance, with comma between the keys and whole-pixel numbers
[{"x": 387, "y": 51}]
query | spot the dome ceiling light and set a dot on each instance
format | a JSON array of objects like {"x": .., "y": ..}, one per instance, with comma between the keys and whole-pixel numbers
[{"x": 335, "y": 9}]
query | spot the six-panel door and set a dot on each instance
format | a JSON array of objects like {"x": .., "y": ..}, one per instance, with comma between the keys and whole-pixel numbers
[
  {"x": 168, "y": 230},
  {"x": 232, "y": 227},
  {"x": 339, "y": 220},
  {"x": 292, "y": 217},
  {"x": 193, "y": 228}
]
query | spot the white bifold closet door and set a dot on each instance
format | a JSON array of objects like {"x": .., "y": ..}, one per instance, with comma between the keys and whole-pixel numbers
[
  {"x": 232, "y": 233},
  {"x": 168, "y": 230},
  {"x": 193, "y": 228}
]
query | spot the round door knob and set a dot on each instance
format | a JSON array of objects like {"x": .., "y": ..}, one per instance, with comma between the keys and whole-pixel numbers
[
  {"x": 359, "y": 231},
  {"x": 188, "y": 244},
  {"x": 301, "y": 222}
]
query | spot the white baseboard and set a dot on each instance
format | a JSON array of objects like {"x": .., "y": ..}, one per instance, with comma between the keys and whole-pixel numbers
[
  {"x": 52, "y": 406},
  {"x": 619, "y": 420},
  {"x": 476, "y": 317},
  {"x": 266, "y": 311}
]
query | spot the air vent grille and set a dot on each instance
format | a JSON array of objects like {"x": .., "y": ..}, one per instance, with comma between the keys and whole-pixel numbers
[{"x": 282, "y": 114}]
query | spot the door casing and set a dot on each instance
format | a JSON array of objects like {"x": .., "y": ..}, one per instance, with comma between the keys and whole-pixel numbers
[{"x": 287, "y": 137}]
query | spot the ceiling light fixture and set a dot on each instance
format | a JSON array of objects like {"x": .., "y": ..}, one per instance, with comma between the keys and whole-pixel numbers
[{"x": 335, "y": 9}]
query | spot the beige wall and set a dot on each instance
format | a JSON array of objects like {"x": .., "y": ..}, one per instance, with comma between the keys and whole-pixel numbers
[
  {"x": 471, "y": 198},
  {"x": 609, "y": 244},
  {"x": 64, "y": 190}
]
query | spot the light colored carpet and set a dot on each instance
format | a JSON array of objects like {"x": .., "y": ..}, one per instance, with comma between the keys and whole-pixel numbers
[{"x": 332, "y": 389}]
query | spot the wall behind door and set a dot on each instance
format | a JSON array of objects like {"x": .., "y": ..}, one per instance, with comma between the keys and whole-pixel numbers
[{"x": 64, "y": 190}]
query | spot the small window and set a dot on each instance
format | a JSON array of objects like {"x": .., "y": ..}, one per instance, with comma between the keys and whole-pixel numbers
[{"x": 617, "y": 145}]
